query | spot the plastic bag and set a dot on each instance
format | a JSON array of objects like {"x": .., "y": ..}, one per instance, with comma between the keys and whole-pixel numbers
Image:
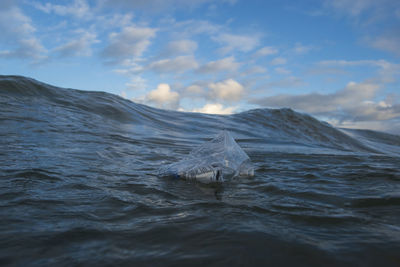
[{"x": 211, "y": 162}]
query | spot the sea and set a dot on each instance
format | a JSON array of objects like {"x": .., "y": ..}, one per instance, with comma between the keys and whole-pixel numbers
[{"x": 79, "y": 186}]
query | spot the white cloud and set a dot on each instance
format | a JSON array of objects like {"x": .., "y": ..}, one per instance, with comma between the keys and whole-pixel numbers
[
  {"x": 278, "y": 61},
  {"x": 354, "y": 7},
  {"x": 215, "y": 109},
  {"x": 281, "y": 70},
  {"x": 136, "y": 83},
  {"x": 225, "y": 64},
  {"x": 13, "y": 23},
  {"x": 232, "y": 42},
  {"x": 176, "y": 65},
  {"x": 79, "y": 9},
  {"x": 302, "y": 49},
  {"x": 17, "y": 35},
  {"x": 227, "y": 90},
  {"x": 365, "y": 12},
  {"x": 109, "y": 21},
  {"x": 163, "y": 97},
  {"x": 188, "y": 28},
  {"x": 123, "y": 95},
  {"x": 266, "y": 51},
  {"x": 132, "y": 41},
  {"x": 157, "y": 6},
  {"x": 80, "y": 46},
  {"x": 350, "y": 63}
]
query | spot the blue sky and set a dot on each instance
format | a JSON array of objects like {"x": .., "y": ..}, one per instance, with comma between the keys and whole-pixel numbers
[{"x": 338, "y": 60}]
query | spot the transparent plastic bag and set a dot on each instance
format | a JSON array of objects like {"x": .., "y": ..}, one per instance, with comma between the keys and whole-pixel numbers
[{"x": 211, "y": 162}]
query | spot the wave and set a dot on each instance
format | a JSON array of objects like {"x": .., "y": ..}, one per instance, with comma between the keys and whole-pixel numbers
[{"x": 276, "y": 129}]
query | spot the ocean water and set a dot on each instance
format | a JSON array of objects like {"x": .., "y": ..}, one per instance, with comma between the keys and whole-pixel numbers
[{"x": 79, "y": 186}]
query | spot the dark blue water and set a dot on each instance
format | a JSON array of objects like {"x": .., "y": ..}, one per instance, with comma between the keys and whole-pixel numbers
[{"x": 79, "y": 186}]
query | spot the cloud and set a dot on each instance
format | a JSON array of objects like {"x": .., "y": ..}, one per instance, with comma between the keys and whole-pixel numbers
[
  {"x": 302, "y": 49},
  {"x": 390, "y": 126},
  {"x": 254, "y": 70},
  {"x": 27, "y": 48},
  {"x": 353, "y": 103},
  {"x": 351, "y": 63},
  {"x": 6, "y": 4},
  {"x": 278, "y": 61},
  {"x": 136, "y": 83},
  {"x": 78, "y": 47},
  {"x": 163, "y": 97},
  {"x": 225, "y": 64},
  {"x": 323, "y": 103},
  {"x": 365, "y": 12},
  {"x": 179, "y": 47},
  {"x": 281, "y": 70},
  {"x": 157, "y": 6},
  {"x": 287, "y": 82},
  {"x": 387, "y": 71},
  {"x": 388, "y": 42},
  {"x": 194, "y": 89},
  {"x": 354, "y": 7},
  {"x": 132, "y": 41},
  {"x": 79, "y": 9},
  {"x": 227, "y": 90},
  {"x": 176, "y": 65},
  {"x": 188, "y": 28},
  {"x": 215, "y": 109},
  {"x": 232, "y": 42},
  {"x": 266, "y": 51},
  {"x": 17, "y": 35}
]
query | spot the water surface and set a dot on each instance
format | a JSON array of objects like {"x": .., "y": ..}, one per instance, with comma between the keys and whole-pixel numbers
[{"x": 78, "y": 186}]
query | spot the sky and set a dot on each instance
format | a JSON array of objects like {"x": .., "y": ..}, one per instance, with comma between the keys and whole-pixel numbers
[{"x": 337, "y": 60}]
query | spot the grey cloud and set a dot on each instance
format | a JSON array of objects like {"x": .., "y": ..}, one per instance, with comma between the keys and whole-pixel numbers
[
  {"x": 80, "y": 46},
  {"x": 176, "y": 65},
  {"x": 26, "y": 48},
  {"x": 287, "y": 82},
  {"x": 179, "y": 47},
  {"x": 225, "y": 64},
  {"x": 387, "y": 71},
  {"x": 387, "y": 42},
  {"x": 354, "y": 102},
  {"x": 7, "y": 3},
  {"x": 231, "y": 42}
]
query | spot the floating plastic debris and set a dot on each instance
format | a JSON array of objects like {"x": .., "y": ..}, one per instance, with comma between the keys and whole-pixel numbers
[{"x": 211, "y": 162}]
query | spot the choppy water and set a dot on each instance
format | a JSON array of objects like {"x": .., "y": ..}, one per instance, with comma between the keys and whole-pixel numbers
[{"x": 78, "y": 186}]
